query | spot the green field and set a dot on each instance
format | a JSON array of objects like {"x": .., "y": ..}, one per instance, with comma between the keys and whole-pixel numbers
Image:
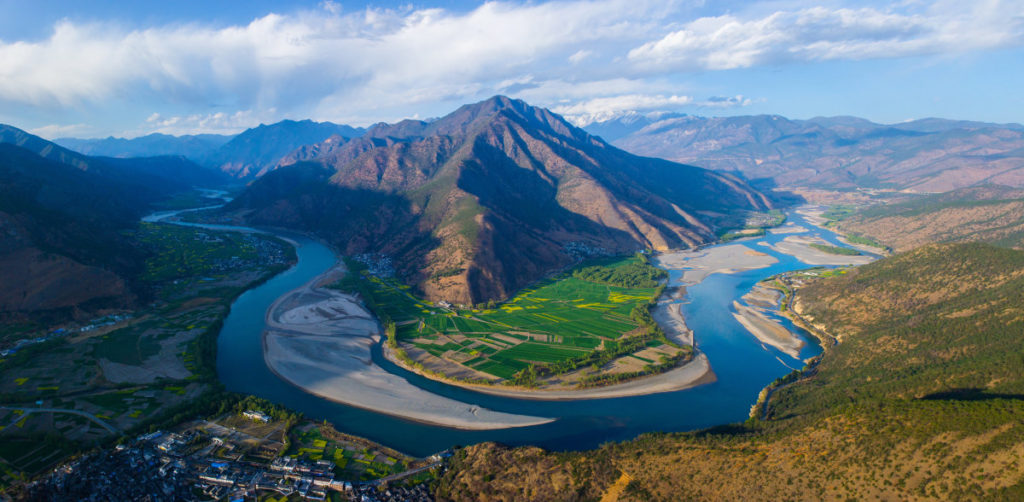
[{"x": 553, "y": 325}]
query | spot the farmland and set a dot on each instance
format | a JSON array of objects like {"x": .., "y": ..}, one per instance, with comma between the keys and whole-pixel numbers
[{"x": 565, "y": 331}]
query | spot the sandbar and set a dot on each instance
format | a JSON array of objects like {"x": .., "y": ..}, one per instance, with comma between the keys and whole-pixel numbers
[
  {"x": 697, "y": 265},
  {"x": 799, "y": 247},
  {"x": 767, "y": 330},
  {"x": 320, "y": 340},
  {"x": 788, "y": 228}
]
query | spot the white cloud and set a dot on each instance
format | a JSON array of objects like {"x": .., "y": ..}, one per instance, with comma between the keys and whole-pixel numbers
[
  {"x": 580, "y": 55},
  {"x": 54, "y": 131},
  {"x": 379, "y": 64},
  {"x": 307, "y": 56},
  {"x": 606, "y": 108},
  {"x": 820, "y": 34},
  {"x": 209, "y": 123}
]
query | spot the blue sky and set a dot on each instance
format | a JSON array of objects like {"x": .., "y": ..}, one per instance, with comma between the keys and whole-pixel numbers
[{"x": 91, "y": 69}]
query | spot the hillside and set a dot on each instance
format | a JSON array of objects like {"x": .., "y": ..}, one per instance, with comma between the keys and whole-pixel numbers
[
  {"x": 492, "y": 197},
  {"x": 929, "y": 155},
  {"x": 921, "y": 401},
  {"x": 256, "y": 151},
  {"x": 61, "y": 247},
  {"x": 63, "y": 216},
  {"x": 990, "y": 214}
]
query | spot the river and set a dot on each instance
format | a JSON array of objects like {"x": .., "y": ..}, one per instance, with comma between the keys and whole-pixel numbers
[{"x": 742, "y": 364}]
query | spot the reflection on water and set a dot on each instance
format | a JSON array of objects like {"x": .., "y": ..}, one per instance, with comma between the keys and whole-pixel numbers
[{"x": 742, "y": 364}]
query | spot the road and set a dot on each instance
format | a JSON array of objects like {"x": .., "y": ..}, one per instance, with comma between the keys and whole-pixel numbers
[
  {"x": 28, "y": 411},
  {"x": 403, "y": 475}
]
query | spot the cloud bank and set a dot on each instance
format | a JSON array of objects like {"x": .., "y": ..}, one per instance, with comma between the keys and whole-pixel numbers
[{"x": 583, "y": 58}]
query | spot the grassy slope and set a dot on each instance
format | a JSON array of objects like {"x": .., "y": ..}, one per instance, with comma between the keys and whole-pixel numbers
[
  {"x": 922, "y": 400},
  {"x": 983, "y": 214}
]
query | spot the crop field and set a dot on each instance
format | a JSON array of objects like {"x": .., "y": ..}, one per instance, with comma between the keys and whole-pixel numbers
[
  {"x": 562, "y": 319},
  {"x": 354, "y": 462}
]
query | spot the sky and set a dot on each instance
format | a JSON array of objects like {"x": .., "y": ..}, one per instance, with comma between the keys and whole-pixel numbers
[{"x": 88, "y": 68}]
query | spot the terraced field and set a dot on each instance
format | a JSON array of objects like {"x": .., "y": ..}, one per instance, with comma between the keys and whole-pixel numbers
[{"x": 552, "y": 325}]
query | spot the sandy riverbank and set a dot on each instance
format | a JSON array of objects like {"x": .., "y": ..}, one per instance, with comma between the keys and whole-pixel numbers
[
  {"x": 800, "y": 247},
  {"x": 767, "y": 330},
  {"x": 320, "y": 339},
  {"x": 727, "y": 259},
  {"x": 788, "y": 228},
  {"x": 695, "y": 372}
]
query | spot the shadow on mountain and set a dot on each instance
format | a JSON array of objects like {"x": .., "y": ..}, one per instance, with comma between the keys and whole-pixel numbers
[
  {"x": 778, "y": 195},
  {"x": 969, "y": 394}
]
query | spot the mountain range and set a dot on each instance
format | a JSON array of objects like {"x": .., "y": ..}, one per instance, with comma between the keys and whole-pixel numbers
[
  {"x": 838, "y": 153},
  {"x": 247, "y": 155},
  {"x": 478, "y": 204}
]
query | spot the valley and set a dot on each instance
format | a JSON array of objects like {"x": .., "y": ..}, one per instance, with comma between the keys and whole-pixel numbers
[
  {"x": 130, "y": 370},
  {"x": 585, "y": 320}
]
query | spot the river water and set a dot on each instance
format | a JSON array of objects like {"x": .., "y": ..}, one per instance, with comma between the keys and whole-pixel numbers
[{"x": 742, "y": 364}]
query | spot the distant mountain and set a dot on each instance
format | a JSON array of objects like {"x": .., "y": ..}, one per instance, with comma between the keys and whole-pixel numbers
[
  {"x": 194, "y": 147},
  {"x": 257, "y": 151},
  {"x": 928, "y": 155},
  {"x": 611, "y": 128},
  {"x": 146, "y": 178},
  {"x": 482, "y": 202}
]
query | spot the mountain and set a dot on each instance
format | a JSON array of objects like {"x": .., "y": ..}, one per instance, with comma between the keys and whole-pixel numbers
[
  {"x": 256, "y": 151},
  {"x": 194, "y": 147},
  {"x": 993, "y": 214},
  {"x": 921, "y": 401},
  {"x": 62, "y": 215},
  {"x": 482, "y": 202},
  {"x": 146, "y": 178},
  {"x": 841, "y": 153},
  {"x": 61, "y": 247},
  {"x": 619, "y": 125}
]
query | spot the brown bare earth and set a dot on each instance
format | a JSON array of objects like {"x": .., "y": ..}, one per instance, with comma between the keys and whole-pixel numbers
[{"x": 34, "y": 280}]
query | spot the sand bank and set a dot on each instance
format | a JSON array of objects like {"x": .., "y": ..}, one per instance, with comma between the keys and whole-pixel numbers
[
  {"x": 727, "y": 259},
  {"x": 788, "y": 228},
  {"x": 320, "y": 339},
  {"x": 799, "y": 246},
  {"x": 694, "y": 373},
  {"x": 767, "y": 330}
]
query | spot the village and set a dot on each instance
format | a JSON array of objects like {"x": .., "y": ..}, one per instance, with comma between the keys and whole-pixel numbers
[{"x": 223, "y": 460}]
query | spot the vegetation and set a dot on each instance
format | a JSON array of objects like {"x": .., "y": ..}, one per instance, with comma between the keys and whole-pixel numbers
[
  {"x": 751, "y": 224},
  {"x": 835, "y": 249},
  {"x": 639, "y": 274},
  {"x": 979, "y": 214},
  {"x": 922, "y": 399},
  {"x": 583, "y": 319}
]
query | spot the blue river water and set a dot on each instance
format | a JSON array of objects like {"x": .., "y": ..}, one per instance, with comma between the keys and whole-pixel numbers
[{"x": 742, "y": 364}]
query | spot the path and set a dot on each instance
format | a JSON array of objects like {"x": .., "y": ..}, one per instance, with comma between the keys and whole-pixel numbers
[{"x": 29, "y": 411}]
